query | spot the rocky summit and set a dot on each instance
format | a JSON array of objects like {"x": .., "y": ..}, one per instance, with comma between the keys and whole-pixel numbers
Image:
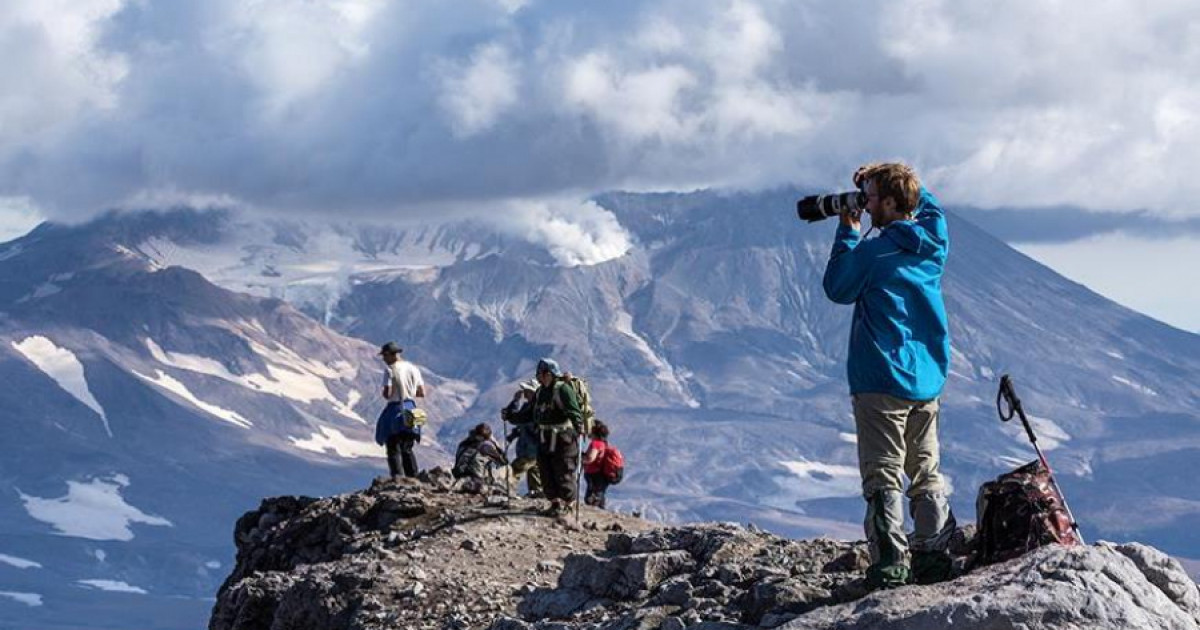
[{"x": 423, "y": 554}]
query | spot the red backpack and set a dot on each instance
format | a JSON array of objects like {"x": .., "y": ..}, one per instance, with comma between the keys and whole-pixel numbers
[{"x": 612, "y": 464}]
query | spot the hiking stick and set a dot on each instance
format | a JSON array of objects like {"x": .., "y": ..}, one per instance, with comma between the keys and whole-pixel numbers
[
  {"x": 507, "y": 465},
  {"x": 1008, "y": 394},
  {"x": 578, "y": 472}
]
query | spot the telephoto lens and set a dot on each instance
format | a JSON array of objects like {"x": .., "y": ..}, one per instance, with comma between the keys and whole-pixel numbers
[{"x": 817, "y": 207}]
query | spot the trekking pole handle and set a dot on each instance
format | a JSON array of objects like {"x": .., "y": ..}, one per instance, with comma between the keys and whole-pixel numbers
[{"x": 1008, "y": 394}]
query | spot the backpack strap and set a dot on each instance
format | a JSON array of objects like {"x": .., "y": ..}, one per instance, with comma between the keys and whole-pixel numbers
[{"x": 558, "y": 401}]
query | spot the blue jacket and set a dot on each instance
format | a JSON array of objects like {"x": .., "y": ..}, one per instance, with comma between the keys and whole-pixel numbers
[
  {"x": 391, "y": 422},
  {"x": 899, "y": 338}
]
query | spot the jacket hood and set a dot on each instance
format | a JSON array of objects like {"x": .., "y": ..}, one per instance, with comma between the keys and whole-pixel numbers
[{"x": 910, "y": 236}]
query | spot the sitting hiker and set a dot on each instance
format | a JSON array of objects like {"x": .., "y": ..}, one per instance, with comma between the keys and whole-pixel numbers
[
  {"x": 594, "y": 470},
  {"x": 525, "y": 436},
  {"x": 473, "y": 457}
]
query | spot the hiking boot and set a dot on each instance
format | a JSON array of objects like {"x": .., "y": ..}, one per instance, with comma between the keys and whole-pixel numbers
[
  {"x": 931, "y": 567},
  {"x": 888, "y": 576},
  {"x": 555, "y": 510}
]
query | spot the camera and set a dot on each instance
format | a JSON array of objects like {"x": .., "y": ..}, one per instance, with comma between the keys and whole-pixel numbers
[{"x": 817, "y": 207}]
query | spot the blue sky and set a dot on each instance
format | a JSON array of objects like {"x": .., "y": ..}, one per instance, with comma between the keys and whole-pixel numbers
[{"x": 414, "y": 108}]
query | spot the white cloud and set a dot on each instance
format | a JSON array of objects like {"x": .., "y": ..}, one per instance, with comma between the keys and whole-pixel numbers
[
  {"x": 292, "y": 49},
  {"x": 343, "y": 106},
  {"x": 477, "y": 93},
  {"x": 93, "y": 509},
  {"x": 575, "y": 233},
  {"x": 55, "y": 68},
  {"x": 18, "y": 215}
]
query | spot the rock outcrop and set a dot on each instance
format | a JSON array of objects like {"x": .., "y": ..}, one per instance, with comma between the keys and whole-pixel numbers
[{"x": 419, "y": 555}]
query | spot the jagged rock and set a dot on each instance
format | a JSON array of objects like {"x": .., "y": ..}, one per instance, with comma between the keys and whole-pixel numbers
[
  {"x": 622, "y": 577},
  {"x": 403, "y": 554},
  {"x": 784, "y": 596},
  {"x": 556, "y": 603},
  {"x": 389, "y": 509},
  {"x": 1051, "y": 588}
]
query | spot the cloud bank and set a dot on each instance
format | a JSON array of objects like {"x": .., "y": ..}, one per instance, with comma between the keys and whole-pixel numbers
[{"x": 377, "y": 108}]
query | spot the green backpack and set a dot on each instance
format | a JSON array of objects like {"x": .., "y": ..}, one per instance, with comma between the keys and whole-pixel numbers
[{"x": 580, "y": 387}]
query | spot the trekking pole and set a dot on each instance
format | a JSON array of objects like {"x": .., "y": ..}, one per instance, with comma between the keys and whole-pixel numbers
[
  {"x": 578, "y": 472},
  {"x": 1008, "y": 394},
  {"x": 507, "y": 464}
]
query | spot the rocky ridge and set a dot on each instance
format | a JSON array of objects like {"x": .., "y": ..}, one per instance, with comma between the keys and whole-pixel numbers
[{"x": 409, "y": 554}]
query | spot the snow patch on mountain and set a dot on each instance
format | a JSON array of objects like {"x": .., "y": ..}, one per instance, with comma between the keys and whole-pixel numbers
[
  {"x": 303, "y": 380},
  {"x": 20, "y": 563},
  {"x": 112, "y": 586},
  {"x": 45, "y": 289},
  {"x": 12, "y": 252},
  {"x": 33, "y": 600},
  {"x": 1050, "y": 435},
  {"x": 1134, "y": 385},
  {"x": 623, "y": 323},
  {"x": 91, "y": 509},
  {"x": 165, "y": 381},
  {"x": 64, "y": 367},
  {"x": 804, "y": 480},
  {"x": 329, "y": 439}
]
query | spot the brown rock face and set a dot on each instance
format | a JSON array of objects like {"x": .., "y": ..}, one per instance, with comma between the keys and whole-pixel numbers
[{"x": 421, "y": 555}]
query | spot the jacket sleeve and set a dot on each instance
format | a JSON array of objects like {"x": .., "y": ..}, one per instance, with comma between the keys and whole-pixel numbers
[
  {"x": 492, "y": 452},
  {"x": 524, "y": 415},
  {"x": 931, "y": 222},
  {"x": 848, "y": 269}
]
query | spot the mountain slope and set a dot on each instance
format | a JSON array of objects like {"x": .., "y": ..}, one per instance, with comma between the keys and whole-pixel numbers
[{"x": 142, "y": 406}]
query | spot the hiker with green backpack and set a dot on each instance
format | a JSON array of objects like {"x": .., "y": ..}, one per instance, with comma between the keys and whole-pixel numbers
[{"x": 557, "y": 415}]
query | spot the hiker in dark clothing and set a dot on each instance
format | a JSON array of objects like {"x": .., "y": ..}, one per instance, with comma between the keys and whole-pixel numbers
[
  {"x": 593, "y": 466},
  {"x": 556, "y": 414},
  {"x": 402, "y": 385},
  {"x": 474, "y": 455},
  {"x": 526, "y": 447}
]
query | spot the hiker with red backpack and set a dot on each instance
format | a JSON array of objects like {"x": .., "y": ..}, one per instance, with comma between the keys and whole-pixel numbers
[{"x": 603, "y": 465}]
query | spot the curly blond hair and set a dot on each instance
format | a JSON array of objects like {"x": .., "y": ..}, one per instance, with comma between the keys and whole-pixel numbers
[{"x": 892, "y": 179}]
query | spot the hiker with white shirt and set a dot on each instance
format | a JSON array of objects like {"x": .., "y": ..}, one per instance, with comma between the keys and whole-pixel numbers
[{"x": 399, "y": 424}]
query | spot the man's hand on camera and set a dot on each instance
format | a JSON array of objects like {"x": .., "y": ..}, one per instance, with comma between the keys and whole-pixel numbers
[{"x": 852, "y": 218}]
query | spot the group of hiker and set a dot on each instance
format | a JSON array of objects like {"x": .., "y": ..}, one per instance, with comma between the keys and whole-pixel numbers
[
  {"x": 550, "y": 415},
  {"x": 897, "y": 366}
]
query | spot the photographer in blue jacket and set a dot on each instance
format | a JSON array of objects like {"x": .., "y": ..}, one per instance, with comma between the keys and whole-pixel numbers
[{"x": 897, "y": 365}]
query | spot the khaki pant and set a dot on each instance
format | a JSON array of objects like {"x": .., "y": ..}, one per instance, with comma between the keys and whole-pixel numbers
[
  {"x": 527, "y": 466},
  {"x": 897, "y": 438}
]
